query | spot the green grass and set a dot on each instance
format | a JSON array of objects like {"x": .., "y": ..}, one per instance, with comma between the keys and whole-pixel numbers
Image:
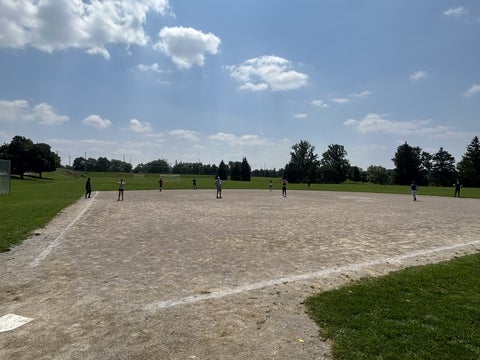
[{"x": 426, "y": 312}]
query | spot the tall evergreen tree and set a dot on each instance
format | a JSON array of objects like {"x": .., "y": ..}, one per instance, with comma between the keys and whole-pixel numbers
[
  {"x": 245, "y": 170},
  {"x": 443, "y": 171},
  {"x": 235, "y": 170},
  {"x": 469, "y": 166},
  {"x": 408, "y": 165},
  {"x": 222, "y": 171}
]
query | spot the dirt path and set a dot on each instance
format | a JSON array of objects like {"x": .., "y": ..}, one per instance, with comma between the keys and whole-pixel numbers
[{"x": 182, "y": 275}]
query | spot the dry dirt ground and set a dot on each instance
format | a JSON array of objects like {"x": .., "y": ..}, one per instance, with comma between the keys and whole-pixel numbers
[{"x": 182, "y": 275}]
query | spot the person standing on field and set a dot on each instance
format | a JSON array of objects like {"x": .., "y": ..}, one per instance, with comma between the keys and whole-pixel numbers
[
  {"x": 194, "y": 183},
  {"x": 458, "y": 186},
  {"x": 218, "y": 185},
  {"x": 121, "y": 188},
  {"x": 413, "y": 188},
  {"x": 284, "y": 187},
  {"x": 88, "y": 188},
  {"x": 160, "y": 183}
]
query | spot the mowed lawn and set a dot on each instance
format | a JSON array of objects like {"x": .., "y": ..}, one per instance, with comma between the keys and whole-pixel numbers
[{"x": 426, "y": 312}]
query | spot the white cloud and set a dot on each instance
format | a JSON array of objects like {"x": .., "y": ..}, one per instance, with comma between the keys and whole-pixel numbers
[
  {"x": 99, "y": 51},
  {"x": 375, "y": 123},
  {"x": 140, "y": 127},
  {"x": 20, "y": 110},
  {"x": 267, "y": 72},
  {"x": 319, "y": 103},
  {"x": 187, "y": 46},
  {"x": 243, "y": 140},
  {"x": 362, "y": 94},
  {"x": 300, "y": 116},
  {"x": 184, "y": 134},
  {"x": 417, "y": 75},
  {"x": 57, "y": 25},
  {"x": 145, "y": 68},
  {"x": 340, "y": 100},
  {"x": 456, "y": 12},
  {"x": 97, "y": 122},
  {"x": 475, "y": 88}
]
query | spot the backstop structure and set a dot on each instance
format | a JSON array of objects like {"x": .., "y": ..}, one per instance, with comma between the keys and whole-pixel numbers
[{"x": 4, "y": 177}]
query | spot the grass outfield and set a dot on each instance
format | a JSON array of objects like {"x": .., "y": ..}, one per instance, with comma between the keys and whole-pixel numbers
[
  {"x": 428, "y": 312},
  {"x": 425, "y": 312}
]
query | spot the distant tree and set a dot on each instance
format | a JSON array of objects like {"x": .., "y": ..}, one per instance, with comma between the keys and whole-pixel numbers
[
  {"x": 469, "y": 166},
  {"x": 235, "y": 170},
  {"x": 245, "y": 170},
  {"x": 19, "y": 151},
  {"x": 222, "y": 171},
  {"x": 120, "y": 166},
  {"x": 303, "y": 163},
  {"x": 139, "y": 168},
  {"x": 91, "y": 164},
  {"x": 356, "y": 174},
  {"x": 267, "y": 172},
  {"x": 102, "y": 164},
  {"x": 82, "y": 164},
  {"x": 408, "y": 165},
  {"x": 378, "y": 175},
  {"x": 42, "y": 159},
  {"x": 79, "y": 164},
  {"x": 334, "y": 165},
  {"x": 426, "y": 160},
  {"x": 443, "y": 172},
  {"x": 4, "y": 152},
  {"x": 209, "y": 169},
  {"x": 196, "y": 168},
  {"x": 159, "y": 166}
]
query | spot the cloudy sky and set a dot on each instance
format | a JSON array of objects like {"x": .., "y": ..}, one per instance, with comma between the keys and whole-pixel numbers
[{"x": 211, "y": 80}]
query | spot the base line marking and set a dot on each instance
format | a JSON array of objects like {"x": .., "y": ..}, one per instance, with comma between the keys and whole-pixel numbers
[
  {"x": 293, "y": 278},
  {"x": 11, "y": 322},
  {"x": 43, "y": 255}
]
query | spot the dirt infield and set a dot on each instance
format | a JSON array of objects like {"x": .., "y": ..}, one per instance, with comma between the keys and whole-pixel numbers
[{"x": 182, "y": 275}]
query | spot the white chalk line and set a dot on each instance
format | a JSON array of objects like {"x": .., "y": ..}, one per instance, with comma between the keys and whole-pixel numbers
[
  {"x": 43, "y": 255},
  {"x": 293, "y": 278},
  {"x": 11, "y": 322}
]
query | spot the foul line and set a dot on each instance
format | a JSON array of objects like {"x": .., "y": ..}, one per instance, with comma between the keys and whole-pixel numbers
[
  {"x": 59, "y": 238},
  {"x": 293, "y": 278}
]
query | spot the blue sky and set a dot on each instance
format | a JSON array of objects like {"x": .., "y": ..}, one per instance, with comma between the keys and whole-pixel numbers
[{"x": 212, "y": 80}]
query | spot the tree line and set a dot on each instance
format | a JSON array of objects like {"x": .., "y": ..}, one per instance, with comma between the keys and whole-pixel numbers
[
  {"x": 411, "y": 164},
  {"x": 305, "y": 166},
  {"x": 235, "y": 170}
]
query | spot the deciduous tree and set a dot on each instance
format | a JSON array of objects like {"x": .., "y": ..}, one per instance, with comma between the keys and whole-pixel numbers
[
  {"x": 303, "y": 163},
  {"x": 334, "y": 164}
]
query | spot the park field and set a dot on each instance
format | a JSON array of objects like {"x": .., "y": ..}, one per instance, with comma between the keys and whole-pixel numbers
[
  {"x": 33, "y": 201},
  {"x": 422, "y": 312}
]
